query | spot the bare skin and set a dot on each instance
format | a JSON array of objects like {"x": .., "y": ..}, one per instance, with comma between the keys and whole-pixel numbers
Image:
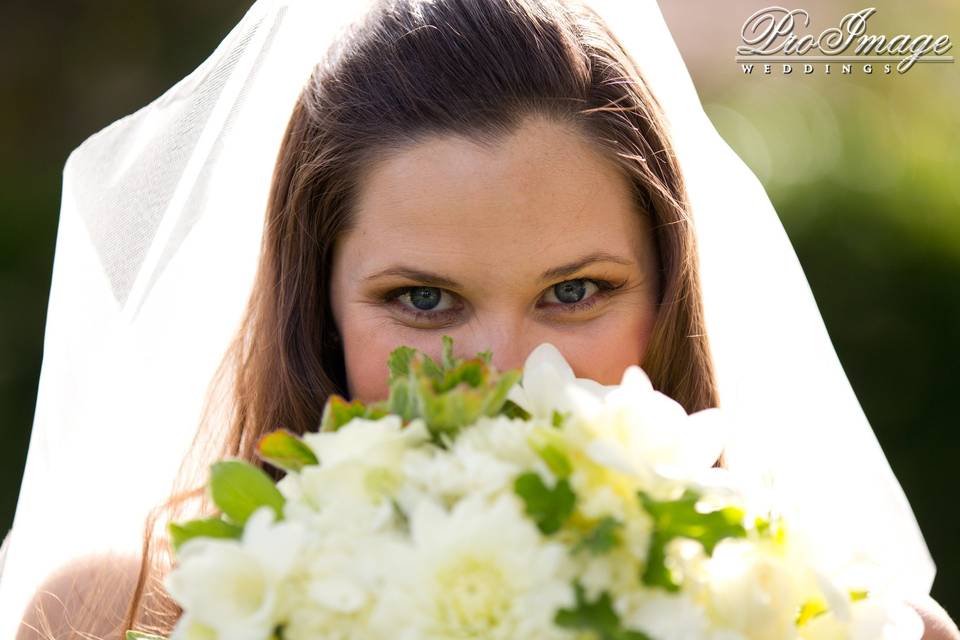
[{"x": 493, "y": 221}]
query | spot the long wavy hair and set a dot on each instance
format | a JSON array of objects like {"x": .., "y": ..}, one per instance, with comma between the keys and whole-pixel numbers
[{"x": 414, "y": 68}]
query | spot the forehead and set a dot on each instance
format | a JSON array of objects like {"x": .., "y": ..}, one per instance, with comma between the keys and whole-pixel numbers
[{"x": 537, "y": 197}]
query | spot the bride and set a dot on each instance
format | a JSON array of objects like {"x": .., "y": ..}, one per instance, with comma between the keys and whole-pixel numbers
[{"x": 501, "y": 171}]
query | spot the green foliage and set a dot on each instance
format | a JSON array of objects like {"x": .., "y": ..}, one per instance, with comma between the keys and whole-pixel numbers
[
  {"x": 285, "y": 450},
  {"x": 512, "y": 410},
  {"x": 238, "y": 489},
  {"x": 136, "y": 635},
  {"x": 205, "y": 528},
  {"x": 602, "y": 538},
  {"x": 447, "y": 395},
  {"x": 549, "y": 508},
  {"x": 597, "y": 617},
  {"x": 338, "y": 412},
  {"x": 555, "y": 459},
  {"x": 557, "y": 417},
  {"x": 680, "y": 518}
]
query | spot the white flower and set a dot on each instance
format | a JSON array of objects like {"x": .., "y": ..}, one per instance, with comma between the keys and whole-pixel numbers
[
  {"x": 342, "y": 576},
  {"x": 668, "y": 617},
  {"x": 883, "y": 615},
  {"x": 374, "y": 441},
  {"x": 635, "y": 426},
  {"x": 484, "y": 460},
  {"x": 630, "y": 426},
  {"x": 359, "y": 463},
  {"x": 189, "y": 629},
  {"x": 479, "y": 571},
  {"x": 230, "y": 586},
  {"x": 871, "y": 620},
  {"x": 757, "y": 590},
  {"x": 543, "y": 386}
]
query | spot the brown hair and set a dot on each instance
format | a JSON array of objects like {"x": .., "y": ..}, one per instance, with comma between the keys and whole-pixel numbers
[{"x": 410, "y": 69}]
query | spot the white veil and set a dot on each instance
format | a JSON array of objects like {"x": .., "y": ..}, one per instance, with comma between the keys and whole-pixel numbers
[{"x": 157, "y": 244}]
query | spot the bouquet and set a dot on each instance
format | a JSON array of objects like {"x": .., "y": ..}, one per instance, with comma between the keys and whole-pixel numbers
[{"x": 523, "y": 505}]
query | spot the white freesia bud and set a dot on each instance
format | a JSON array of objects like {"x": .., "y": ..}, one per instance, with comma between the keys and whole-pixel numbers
[
  {"x": 546, "y": 376},
  {"x": 649, "y": 428},
  {"x": 231, "y": 586},
  {"x": 669, "y": 617},
  {"x": 756, "y": 591},
  {"x": 883, "y": 615}
]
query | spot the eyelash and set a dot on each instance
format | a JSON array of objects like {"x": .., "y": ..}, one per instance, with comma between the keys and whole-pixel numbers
[{"x": 604, "y": 288}]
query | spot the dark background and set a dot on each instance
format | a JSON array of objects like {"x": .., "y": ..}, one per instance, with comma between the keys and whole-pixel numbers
[{"x": 865, "y": 173}]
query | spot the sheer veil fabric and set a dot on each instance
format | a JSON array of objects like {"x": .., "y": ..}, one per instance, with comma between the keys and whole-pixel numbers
[{"x": 157, "y": 244}]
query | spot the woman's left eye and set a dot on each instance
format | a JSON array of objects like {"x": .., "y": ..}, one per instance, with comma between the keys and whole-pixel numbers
[{"x": 578, "y": 295}]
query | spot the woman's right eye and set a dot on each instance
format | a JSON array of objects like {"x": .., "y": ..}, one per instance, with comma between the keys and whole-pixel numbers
[{"x": 423, "y": 303}]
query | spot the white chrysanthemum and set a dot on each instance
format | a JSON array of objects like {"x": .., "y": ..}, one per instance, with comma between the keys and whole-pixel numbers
[
  {"x": 507, "y": 439},
  {"x": 340, "y": 578},
  {"x": 231, "y": 586},
  {"x": 361, "y": 462},
  {"x": 481, "y": 570},
  {"x": 484, "y": 460},
  {"x": 377, "y": 441}
]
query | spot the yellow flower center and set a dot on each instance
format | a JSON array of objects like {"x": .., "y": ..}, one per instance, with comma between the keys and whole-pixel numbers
[{"x": 473, "y": 596}]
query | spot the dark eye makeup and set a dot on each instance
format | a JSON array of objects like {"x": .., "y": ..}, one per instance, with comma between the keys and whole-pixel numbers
[{"x": 406, "y": 300}]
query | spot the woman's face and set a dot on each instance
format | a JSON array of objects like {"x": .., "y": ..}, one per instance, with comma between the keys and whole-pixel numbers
[{"x": 535, "y": 240}]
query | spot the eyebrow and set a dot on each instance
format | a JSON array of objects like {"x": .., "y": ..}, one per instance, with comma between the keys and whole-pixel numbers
[{"x": 436, "y": 280}]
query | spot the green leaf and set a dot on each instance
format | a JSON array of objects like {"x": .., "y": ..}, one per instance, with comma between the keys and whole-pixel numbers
[
  {"x": 549, "y": 508},
  {"x": 512, "y": 410},
  {"x": 555, "y": 459},
  {"x": 446, "y": 396},
  {"x": 597, "y": 616},
  {"x": 136, "y": 635},
  {"x": 447, "y": 358},
  {"x": 401, "y": 401},
  {"x": 283, "y": 449},
  {"x": 399, "y": 362},
  {"x": 423, "y": 364},
  {"x": 206, "y": 528},
  {"x": 604, "y": 537},
  {"x": 557, "y": 418},
  {"x": 338, "y": 412},
  {"x": 238, "y": 489},
  {"x": 497, "y": 398},
  {"x": 680, "y": 519}
]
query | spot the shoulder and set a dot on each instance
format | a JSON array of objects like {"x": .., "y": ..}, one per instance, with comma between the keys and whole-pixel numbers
[
  {"x": 936, "y": 621},
  {"x": 86, "y": 598}
]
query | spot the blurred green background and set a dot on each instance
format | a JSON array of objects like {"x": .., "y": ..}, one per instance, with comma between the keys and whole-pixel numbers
[{"x": 864, "y": 171}]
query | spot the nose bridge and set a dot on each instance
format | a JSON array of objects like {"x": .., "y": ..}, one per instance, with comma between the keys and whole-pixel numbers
[{"x": 505, "y": 336}]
